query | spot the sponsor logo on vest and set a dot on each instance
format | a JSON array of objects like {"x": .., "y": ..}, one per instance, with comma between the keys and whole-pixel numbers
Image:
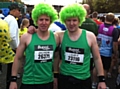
[
  {"x": 74, "y": 50},
  {"x": 43, "y": 47}
]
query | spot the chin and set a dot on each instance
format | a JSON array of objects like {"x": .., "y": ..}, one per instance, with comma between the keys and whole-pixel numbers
[
  {"x": 44, "y": 30},
  {"x": 72, "y": 30}
]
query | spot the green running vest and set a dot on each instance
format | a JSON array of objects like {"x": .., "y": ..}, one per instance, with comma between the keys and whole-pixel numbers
[
  {"x": 39, "y": 60},
  {"x": 75, "y": 57}
]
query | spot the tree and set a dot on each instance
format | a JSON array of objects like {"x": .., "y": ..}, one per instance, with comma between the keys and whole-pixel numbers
[
  {"x": 105, "y": 6},
  {"x": 4, "y": 0},
  {"x": 10, "y": 0}
]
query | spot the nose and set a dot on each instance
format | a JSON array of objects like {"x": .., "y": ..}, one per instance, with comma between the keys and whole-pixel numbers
[
  {"x": 71, "y": 22},
  {"x": 44, "y": 21}
]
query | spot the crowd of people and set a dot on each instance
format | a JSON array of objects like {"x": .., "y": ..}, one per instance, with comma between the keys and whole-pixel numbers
[{"x": 72, "y": 51}]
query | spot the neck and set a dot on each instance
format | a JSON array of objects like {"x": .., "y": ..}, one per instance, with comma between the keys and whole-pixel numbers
[
  {"x": 12, "y": 14},
  {"x": 43, "y": 35},
  {"x": 75, "y": 35},
  {"x": 108, "y": 22}
]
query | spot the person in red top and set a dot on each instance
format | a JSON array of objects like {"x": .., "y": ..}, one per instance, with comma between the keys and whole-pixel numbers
[{"x": 94, "y": 17}]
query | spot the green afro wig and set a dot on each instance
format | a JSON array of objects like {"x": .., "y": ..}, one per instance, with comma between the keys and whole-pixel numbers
[
  {"x": 73, "y": 10},
  {"x": 44, "y": 9}
]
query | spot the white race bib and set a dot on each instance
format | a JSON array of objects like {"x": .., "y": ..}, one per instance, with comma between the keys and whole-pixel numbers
[
  {"x": 43, "y": 53},
  {"x": 74, "y": 55}
]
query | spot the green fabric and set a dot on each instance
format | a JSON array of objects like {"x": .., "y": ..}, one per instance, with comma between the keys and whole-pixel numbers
[
  {"x": 76, "y": 70},
  {"x": 40, "y": 72},
  {"x": 90, "y": 25}
]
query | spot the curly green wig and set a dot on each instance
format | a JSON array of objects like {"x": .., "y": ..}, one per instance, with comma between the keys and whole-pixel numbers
[
  {"x": 44, "y": 9},
  {"x": 73, "y": 10}
]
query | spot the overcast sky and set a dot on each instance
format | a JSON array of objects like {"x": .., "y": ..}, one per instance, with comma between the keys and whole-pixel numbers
[{"x": 53, "y": 2}]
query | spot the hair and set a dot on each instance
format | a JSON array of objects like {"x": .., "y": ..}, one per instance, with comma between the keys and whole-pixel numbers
[
  {"x": 73, "y": 10},
  {"x": 25, "y": 21},
  {"x": 95, "y": 14},
  {"x": 116, "y": 21},
  {"x": 110, "y": 17},
  {"x": 44, "y": 9},
  {"x": 14, "y": 6},
  {"x": 102, "y": 18},
  {"x": 87, "y": 7}
]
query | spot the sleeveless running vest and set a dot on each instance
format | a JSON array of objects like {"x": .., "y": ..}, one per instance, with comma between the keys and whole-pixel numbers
[
  {"x": 105, "y": 40},
  {"x": 75, "y": 57},
  {"x": 39, "y": 60}
]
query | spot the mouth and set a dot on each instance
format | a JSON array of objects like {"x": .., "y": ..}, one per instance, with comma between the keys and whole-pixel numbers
[
  {"x": 43, "y": 27},
  {"x": 71, "y": 27}
]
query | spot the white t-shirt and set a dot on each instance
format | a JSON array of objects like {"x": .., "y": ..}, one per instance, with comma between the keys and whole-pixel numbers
[
  {"x": 53, "y": 27},
  {"x": 2, "y": 16},
  {"x": 14, "y": 31}
]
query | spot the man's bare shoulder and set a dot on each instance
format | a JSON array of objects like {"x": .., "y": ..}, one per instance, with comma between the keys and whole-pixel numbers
[
  {"x": 90, "y": 34},
  {"x": 26, "y": 36},
  {"x": 60, "y": 33},
  {"x": 91, "y": 38}
]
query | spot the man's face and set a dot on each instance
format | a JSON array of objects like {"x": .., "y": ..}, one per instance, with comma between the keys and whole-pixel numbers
[
  {"x": 43, "y": 22},
  {"x": 72, "y": 24},
  {"x": 17, "y": 12}
]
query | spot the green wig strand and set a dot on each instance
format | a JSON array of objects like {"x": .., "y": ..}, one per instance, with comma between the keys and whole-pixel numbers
[
  {"x": 73, "y": 10},
  {"x": 44, "y": 9}
]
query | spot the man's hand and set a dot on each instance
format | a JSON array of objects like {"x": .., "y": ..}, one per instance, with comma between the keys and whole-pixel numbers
[
  {"x": 55, "y": 86},
  {"x": 13, "y": 85},
  {"x": 102, "y": 85},
  {"x": 31, "y": 29}
]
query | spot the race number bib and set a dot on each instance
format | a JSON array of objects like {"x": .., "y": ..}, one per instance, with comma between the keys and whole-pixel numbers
[
  {"x": 74, "y": 55},
  {"x": 43, "y": 53}
]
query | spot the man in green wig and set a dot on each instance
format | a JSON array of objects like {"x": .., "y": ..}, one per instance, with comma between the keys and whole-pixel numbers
[
  {"x": 39, "y": 49},
  {"x": 76, "y": 46}
]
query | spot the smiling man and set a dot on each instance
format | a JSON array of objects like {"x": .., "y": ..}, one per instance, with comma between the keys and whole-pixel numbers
[
  {"x": 39, "y": 50},
  {"x": 76, "y": 46}
]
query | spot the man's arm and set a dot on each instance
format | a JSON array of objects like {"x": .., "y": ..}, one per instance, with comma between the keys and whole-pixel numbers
[
  {"x": 56, "y": 55},
  {"x": 97, "y": 60},
  {"x": 56, "y": 62},
  {"x": 19, "y": 55},
  {"x": 14, "y": 33},
  {"x": 96, "y": 56},
  {"x": 59, "y": 36}
]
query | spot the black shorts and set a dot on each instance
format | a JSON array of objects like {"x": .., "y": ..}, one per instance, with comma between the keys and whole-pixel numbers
[
  {"x": 69, "y": 82},
  {"x": 106, "y": 62},
  {"x": 37, "y": 86}
]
